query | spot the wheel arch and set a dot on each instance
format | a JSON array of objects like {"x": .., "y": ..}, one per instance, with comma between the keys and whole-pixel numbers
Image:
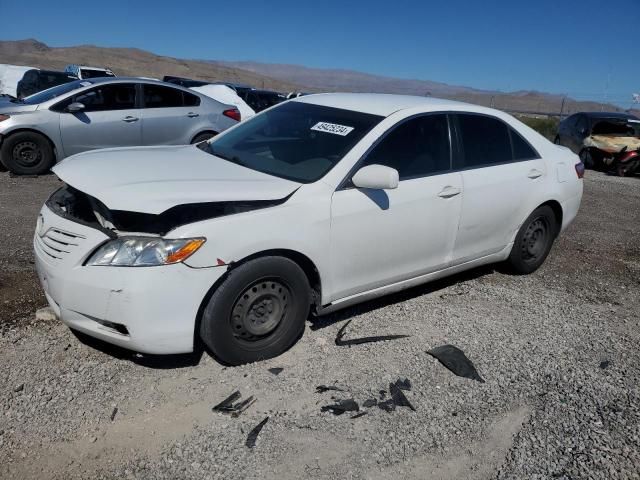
[
  {"x": 54, "y": 147},
  {"x": 557, "y": 211},
  {"x": 213, "y": 132},
  {"x": 303, "y": 261}
]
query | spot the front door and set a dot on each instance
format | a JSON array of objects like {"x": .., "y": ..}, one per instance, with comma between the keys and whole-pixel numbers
[
  {"x": 110, "y": 119},
  {"x": 379, "y": 237}
]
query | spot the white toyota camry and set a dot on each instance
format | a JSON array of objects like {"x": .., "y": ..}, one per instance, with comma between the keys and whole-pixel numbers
[{"x": 313, "y": 205}]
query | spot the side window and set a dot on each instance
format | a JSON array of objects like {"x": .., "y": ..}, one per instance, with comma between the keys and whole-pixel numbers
[
  {"x": 119, "y": 96},
  {"x": 415, "y": 148},
  {"x": 581, "y": 126},
  {"x": 485, "y": 140},
  {"x": 158, "y": 96},
  {"x": 191, "y": 100},
  {"x": 521, "y": 148}
]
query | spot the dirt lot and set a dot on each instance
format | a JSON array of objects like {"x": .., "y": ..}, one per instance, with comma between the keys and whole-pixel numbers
[{"x": 558, "y": 350}]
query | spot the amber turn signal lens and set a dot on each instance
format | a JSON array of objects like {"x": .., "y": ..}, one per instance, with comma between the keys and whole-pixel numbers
[{"x": 185, "y": 251}]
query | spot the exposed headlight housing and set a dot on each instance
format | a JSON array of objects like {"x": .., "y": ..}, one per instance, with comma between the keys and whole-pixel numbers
[{"x": 144, "y": 251}]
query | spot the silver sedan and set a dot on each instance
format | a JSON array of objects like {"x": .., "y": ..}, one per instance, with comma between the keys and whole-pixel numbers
[{"x": 41, "y": 129}]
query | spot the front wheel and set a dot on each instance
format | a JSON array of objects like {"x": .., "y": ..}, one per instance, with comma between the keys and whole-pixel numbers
[
  {"x": 258, "y": 312},
  {"x": 27, "y": 153},
  {"x": 202, "y": 137},
  {"x": 533, "y": 241}
]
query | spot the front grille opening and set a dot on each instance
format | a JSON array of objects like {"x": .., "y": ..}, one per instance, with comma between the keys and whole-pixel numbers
[{"x": 116, "y": 327}]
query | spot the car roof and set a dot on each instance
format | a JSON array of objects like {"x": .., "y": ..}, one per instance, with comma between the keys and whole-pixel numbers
[
  {"x": 383, "y": 104},
  {"x": 608, "y": 115}
]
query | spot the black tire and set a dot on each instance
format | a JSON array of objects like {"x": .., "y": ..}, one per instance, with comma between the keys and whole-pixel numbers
[
  {"x": 586, "y": 158},
  {"x": 533, "y": 241},
  {"x": 27, "y": 153},
  {"x": 258, "y": 311},
  {"x": 201, "y": 137}
]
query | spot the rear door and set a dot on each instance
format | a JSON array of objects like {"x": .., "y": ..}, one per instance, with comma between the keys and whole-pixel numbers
[
  {"x": 169, "y": 115},
  {"x": 110, "y": 119},
  {"x": 379, "y": 237},
  {"x": 501, "y": 175}
]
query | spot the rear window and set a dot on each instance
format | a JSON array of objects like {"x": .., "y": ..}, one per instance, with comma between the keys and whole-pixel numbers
[
  {"x": 90, "y": 73},
  {"x": 158, "y": 96},
  {"x": 297, "y": 141},
  {"x": 486, "y": 141}
]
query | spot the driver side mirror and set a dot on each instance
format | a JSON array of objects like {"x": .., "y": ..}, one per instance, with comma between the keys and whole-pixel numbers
[
  {"x": 75, "y": 107},
  {"x": 376, "y": 177}
]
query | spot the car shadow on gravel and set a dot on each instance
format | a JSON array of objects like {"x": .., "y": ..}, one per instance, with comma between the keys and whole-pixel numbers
[
  {"x": 391, "y": 299},
  {"x": 157, "y": 362}
]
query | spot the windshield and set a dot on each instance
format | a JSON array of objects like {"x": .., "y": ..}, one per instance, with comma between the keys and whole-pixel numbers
[
  {"x": 296, "y": 141},
  {"x": 91, "y": 73},
  {"x": 617, "y": 127},
  {"x": 54, "y": 92}
]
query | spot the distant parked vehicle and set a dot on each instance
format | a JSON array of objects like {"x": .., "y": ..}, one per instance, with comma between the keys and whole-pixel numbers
[
  {"x": 604, "y": 141},
  {"x": 260, "y": 100},
  {"x": 36, "y": 80},
  {"x": 184, "y": 82},
  {"x": 102, "y": 113},
  {"x": 83, "y": 72}
]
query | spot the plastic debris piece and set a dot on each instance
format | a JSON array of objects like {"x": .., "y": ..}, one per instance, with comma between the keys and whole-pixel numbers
[
  {"x": 341, "y": 406},
  {"x": 227, "y": 404},
  {"x": 403, "y": 384},
  {"x": 370, "y": 402},
  {"x": 253, "y": 434},
  {"x": 358, "y": 415},
  {"x": 387, "y": 405},
  {"x": 605, "y": 364},
  {"x": 398, "y": 397},
  {"x": 235, "y": 409},
  {"x": 325, "y": 388},
  {"x": 455, "y": 360},
  {"x": 114, "y": 413},
  {"x": 358, "y": 341},
  {"x": 240, "y": 407},
  {"x": 276, "y": 371}
]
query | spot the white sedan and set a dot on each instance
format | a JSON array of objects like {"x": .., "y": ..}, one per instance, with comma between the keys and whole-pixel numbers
[{"x": 313, "y": 205}]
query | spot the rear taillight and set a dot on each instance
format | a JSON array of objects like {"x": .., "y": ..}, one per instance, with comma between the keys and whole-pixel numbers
[
  {"x": 232, "y": 113},
  {"x": 580, "y": 169}
]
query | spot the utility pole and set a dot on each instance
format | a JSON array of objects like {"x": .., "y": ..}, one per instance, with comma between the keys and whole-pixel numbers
[{"x": 562, "y": 107}]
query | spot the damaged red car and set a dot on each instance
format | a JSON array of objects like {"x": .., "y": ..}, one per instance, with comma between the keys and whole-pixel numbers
[{"x": 604, "y": 141}]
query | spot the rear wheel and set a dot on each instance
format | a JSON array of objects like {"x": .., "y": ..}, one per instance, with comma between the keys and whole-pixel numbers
[
  {"x": 258, "y": 312},
  {"x": 27, "y": 153},
  {"x": 533, "y": 241}
]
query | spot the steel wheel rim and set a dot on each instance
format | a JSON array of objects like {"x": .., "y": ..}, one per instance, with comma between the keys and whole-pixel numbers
[
  {"x": 27, "y": 154},
  {"x": 535, "y": 239},
  {"x": 259, "y": 310}
]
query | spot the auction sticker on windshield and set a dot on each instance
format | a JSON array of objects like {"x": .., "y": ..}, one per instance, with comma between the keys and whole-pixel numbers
[{"x": 332, "y": 128}]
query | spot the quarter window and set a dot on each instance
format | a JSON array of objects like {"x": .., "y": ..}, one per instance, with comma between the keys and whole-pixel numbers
[
  {"x": 415, "y": 148},
  {"x": 521, "y": 148}
]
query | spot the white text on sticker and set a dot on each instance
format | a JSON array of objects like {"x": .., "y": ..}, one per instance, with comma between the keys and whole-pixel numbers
[{"x": 332, "y": 128}]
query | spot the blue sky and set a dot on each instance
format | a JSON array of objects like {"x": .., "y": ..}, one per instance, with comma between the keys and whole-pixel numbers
[{"x": 577, "y": 47}]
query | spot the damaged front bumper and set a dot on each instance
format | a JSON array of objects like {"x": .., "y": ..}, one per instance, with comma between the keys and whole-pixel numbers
[{"x": 146, "y": 309}]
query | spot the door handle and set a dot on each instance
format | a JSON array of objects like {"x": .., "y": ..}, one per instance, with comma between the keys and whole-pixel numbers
[
  {"x": 448, "y": 192},
  {"x": 130, "y": 119},
  {"x": 534, "y": 173},
  {"x": 193, "y": 114}
]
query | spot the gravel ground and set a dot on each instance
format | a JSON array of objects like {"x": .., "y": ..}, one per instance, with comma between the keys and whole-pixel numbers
[{"x": 558, "y": 350}]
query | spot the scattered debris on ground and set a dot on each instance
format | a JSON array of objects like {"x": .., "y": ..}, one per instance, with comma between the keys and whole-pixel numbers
[
  {"x": 253, "y": 434},
  {"x": 359, "y": 341},
  {"x": 327, "y": 388},
  {"x": 341, "y": 406},
  {"x": 235, "y": 409},
  {"x": 455, "y": 360},
  {"x": 276, "y": 371},
  {"x": 398, "y": 398}
]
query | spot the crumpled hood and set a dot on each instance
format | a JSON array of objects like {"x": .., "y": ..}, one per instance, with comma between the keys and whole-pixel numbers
[
  {"x": 612, "y": 143},
  {"x": 154, "y": 179}
]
